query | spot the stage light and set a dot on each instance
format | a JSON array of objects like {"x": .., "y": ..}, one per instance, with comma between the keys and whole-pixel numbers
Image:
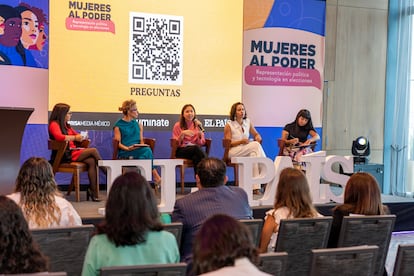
[{"x": 361, "y": 150}]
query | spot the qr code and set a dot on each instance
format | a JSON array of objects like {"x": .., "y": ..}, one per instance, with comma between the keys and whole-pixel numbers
[{"x": 155, "y": 49}]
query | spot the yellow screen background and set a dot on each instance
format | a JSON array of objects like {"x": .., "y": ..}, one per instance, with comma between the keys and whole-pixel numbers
[{"x": 89, "y": 70}]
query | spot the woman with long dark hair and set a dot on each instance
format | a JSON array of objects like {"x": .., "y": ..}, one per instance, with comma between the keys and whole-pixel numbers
[
  {"x": 362, "y": 196},
  {"x": 298, "y": 135},
  {"x": 189, "y": 136},
  {"x": 131, "y": 233},
  {"x": 18, "y": 251},
  {"x": 61, "y": 130}
]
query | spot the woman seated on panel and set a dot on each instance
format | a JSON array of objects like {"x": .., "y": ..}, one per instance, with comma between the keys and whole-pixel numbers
[
  {"x": 292, "y": 200},
  {"x": 298, "y": 135},
  {"x": 238, "y": 129},
  {"x": 131, "y": 233},
  {"x": 19, "y": 253},
  {"x": 130, "y": 135},
  {"x": 223, "y": 246},
  {"x": 37, "y": 194},
  {"x": 362, "y": 196},
  {"x": 60, "y": 130},
  {"x": 189, "y": 136}
]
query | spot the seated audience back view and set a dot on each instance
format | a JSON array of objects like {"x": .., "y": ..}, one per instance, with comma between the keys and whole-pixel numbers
[
  {"x": 132, "y": 233},
  {"x": 18, "y": 251},
  {"x": 361, "y": 197},
  {"x": 213, "y": 197},
  {"x": 36, "y": 192},
  {"x": 224, "y": 246},
  {"x": 292, "y": 200}
]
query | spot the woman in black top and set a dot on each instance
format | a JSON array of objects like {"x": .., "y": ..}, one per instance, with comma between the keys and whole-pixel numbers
[{"x": 296, "y": 134}]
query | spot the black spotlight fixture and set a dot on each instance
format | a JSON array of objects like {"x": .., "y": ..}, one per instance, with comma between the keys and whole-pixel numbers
[{"x": 361, "y": 150}]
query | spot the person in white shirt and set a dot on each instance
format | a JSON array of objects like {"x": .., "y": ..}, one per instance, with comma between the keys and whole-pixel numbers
[
  {"x": 239, "y": 129},
  {"x": 36, "y": 192},
  {"x": 292, "y": 200}
]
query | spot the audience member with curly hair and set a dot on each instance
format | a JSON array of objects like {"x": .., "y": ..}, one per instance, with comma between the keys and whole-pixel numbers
[
  {"x": 18, "y": 251},
  {"x": 224, "y": 246},
  {"x": 131, "y": 233},
  {"x": 36, "y": 192}
]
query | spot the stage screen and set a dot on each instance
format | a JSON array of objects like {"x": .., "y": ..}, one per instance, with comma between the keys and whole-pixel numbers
[{"x": 163, "y": 54}]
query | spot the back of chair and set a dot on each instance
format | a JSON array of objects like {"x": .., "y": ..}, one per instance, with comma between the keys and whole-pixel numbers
[
  {"x": 176, "y": 228},
  {"x": 255, "y": 226},
  {"x": 281, "y": 145},
  {"x": 368, "y": 230},
  {"x": 274, "y": 263},
  {"x": 226, "y": 145},
  {"x": 404, "y": 262},
  {"x": 355, "y": 260},
  {"x": 59, "y": 148},
  {"x": 60, "y": 273},
  {"x": 176, "y": 269},
  {"x": 65, "y": 246},
  {"x": 297, "y": 237}
]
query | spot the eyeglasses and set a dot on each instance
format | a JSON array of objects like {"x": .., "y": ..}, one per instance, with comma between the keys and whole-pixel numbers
[{"x": 134, "y": 109}]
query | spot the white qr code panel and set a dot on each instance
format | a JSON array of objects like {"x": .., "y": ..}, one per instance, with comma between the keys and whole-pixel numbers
[{"x": 155, "y": 49}]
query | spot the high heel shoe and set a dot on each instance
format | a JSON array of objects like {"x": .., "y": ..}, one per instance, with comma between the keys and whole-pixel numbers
[{"x": 89, "y": 194}]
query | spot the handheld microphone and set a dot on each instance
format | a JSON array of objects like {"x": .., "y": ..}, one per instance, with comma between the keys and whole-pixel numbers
[{"x": 199, "y": 125}]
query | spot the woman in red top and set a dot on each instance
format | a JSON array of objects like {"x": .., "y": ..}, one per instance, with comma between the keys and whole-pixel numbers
[{"x": 60, "y": 130}]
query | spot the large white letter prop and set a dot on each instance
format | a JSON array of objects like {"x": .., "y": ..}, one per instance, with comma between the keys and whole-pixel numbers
[
  {"x": 114, "y": 169},
  {"x": 168, "y": 180},
  {"x": 246, "y": 179},
  {"x": 314, "y": 163},
  {"x": 280, "y": 163},
  {"x": 347, "y": 163},
  {"x": 168, "y": 183}
]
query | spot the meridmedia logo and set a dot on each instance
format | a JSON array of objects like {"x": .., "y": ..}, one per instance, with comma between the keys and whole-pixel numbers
[
  {"x": 155, "y": 122},
  {"x": 87, "y": 123}
]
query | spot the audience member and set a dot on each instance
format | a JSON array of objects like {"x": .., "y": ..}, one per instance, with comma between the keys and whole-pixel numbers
[
  {"x": 224, "y": 246},
  {"x": 238, "y": 129},
  {"x": 362, "y": 197},
  {"x": 130, "y": 135},
  {"x": 297, "y": 133},
  {"x": 213, "y": 197},
  {"x": 189, "y": 136},
  {"x": 18, "y": 251},
  {"x": 60, "y": 130},
  {"x": 292, "y": 200},
  {"x": 37, "y": 194},
  {"x": 131, "y": 233}
]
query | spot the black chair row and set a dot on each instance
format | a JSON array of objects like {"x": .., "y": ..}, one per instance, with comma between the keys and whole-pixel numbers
[
  {"x": 298, "y": 237},
  {"x": 301, "y": 242}
]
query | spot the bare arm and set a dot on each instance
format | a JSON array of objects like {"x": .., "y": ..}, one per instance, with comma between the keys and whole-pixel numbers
[
  {"x": 141, "y": 133},
  {"x": 314, "y": 137},
  {"x": 255, "y": 134},
  {"x": 117, "y": 136},
  {"x": 285, "y": 136},
  {"x": 269, "y": 228}
]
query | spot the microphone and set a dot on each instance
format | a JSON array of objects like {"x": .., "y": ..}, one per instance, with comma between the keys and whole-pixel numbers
[{"x": 199, "y": 125}]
